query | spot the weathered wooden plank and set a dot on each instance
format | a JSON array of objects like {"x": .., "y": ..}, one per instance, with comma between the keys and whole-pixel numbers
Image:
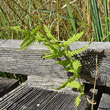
[
  {"x": 48, "y": 83},
  {"x": 7, "y": 85},
  {"x": 29, "y": 61},
  {"x": 25, "y": 97},
  {"x": 105, "y": 102}
]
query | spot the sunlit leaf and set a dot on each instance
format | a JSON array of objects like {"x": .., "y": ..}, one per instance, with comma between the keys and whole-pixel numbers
[{"x": 74, "y": 84}]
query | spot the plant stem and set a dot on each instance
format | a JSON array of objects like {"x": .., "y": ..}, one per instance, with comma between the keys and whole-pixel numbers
[
  {"x": 84, "y": 93},
  {"x": 58, "y": 32},
  {"x": 94, "y": 84},
  {"x": 78, "y": 80}
]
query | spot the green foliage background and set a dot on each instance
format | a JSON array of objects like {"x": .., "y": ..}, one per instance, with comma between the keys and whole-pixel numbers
[{"x": 90, "y": 16}]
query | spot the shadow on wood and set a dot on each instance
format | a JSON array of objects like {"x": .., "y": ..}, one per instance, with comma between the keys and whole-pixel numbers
[{"x": 88, "y": 60}]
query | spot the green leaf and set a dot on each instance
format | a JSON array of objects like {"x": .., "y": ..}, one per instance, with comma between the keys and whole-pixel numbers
[
  {"x": 73, "y": 39},
  {"x": 64, "y": 62},
  {"x": 30, "y": 37},
  {"x": 71, "y": 17},
  {"x": 77, "y": 101},
  {"x": 41, "y": 38},
  {"x": 69, "y": 80},
  {"x": 77, "y": 51},
  {"x": 53, "y": 48},
  {"x": 34, "y": 31},
  {"x": 16, "y": 28},
  {"x": 74, "y": 84},
  {"x": 27, "y": 37},
  {"x": 50, "y": 56},
  {"x": 76, "y": 65},
  {"x": 31, "y": 41},
  {"x": 69, "y": 69},
  {"x": 75, "y": 68},
  {"x": 48, "y": 33}
]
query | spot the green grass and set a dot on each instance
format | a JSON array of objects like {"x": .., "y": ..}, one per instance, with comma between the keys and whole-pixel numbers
[
  {"x": 30, "y": 14},
  {"x": 99, "y": 35},
  {"x": 106, "y": 20},
  {"x": 71, "y": 19}
]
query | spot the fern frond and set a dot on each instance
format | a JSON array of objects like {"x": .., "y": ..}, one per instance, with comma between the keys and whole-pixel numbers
[
  {"x": 52, "y": 48},
  {"x": 49, "y": 35},
  {"x": 76, "y": 65},
  {"x": 65, "y": 63},
  {"x": 69, "y": 69},
  {"x": 40, "y": 37},
  {"x": 77, "y": 51},
  {"x": 34, "y": 31},
  {"x": 77, "y": 101},
  {"x": 27, "y": 44},
  {"x": 74, "y": 38},
  {"x": 50, "y": 56},
  {"x": 27, "y": 37},
  {"x": 75, "y": 68},
  {"x": 74, "y": 84},
  {"x": 54, "y": 52}
]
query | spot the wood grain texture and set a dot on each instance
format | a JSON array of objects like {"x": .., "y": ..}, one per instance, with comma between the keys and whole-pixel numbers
[
  {"x": 7, "y": 85},
  {"x": 104, "y": 102},
  {"x": 25, "y": 97},
  {"x": 48, "y": 83},
  {"x": 29, "y": 61}
]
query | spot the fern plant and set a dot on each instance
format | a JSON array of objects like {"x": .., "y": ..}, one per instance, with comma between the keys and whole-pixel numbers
[{"x": 58, "y": 50}]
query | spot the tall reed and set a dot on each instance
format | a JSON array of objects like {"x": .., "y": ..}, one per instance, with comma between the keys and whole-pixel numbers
[
  {"x": 106, "y": 20},
  {"x": 71, "y": 17}
]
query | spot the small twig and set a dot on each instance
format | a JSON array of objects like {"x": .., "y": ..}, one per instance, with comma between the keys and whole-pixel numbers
[
  {"x": 94, "y": 84},
  {"x": 41, "y": 6},
  {"x": 14, "y": 75},
  {"x": 52, "y": 23},
  {"x": 23, "y": 9},
  {"x": 89, "y": 101},
  {"x": 69, "y": 3}
]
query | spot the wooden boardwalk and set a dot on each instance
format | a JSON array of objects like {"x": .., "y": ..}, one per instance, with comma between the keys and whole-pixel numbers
[
  {"x": 104, "y": 102},
  {"x": 7, "y": 85},
  {"x": 37, "y": 93},
  {"x": 25, "y": 97},
  {"x": 29, "y": 61}
]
